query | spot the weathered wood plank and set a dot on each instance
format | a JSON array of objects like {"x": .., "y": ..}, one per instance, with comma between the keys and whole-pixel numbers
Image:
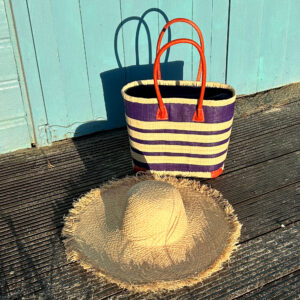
[
  {"x": 263, "y": 147},
  {"x": 273, "y": 47},
  {"x": 106, "y": 79},
  {"x": 68, "y": 27},
  {"x": 258, "y": 216},
  {"x": 264, "y": 196},
  {"x": 254, "y": 185},
  {"x": 50, "y": 25},
  {"x": 259, "y": 179},
  {"x": 42, "y": 21},
  {"x": 11, "y": 105},
  {"x": 14, "y": 134},
  {"x": 174, "y": 9},
  {"x": 21, "y": 212},
  {"x": 269, "y": 211},
  {"x": 286, "y": 287},
  {"x": 264, "y": 101},
  {"x": 256, "y": 263},
  {"x": 23, "y": 25},
  {"x": 242, "y": 73},
  {"x": 8, "y": 70},
  {"x": 266, "y": 121},
  {"x": 139, "y": 49},
  {"x": 242, "y": 153},
  {"x": 63, "y": 206},
  {"x": 212, "y": 18},
  {"x": 4, "y": 31},
  {"x": 292, "y": 59},
  {"x": 271, "y": 57},
  {"x": 37, "y": 237}
]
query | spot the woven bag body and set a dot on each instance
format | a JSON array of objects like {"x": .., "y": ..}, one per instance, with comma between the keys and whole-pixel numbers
[
  {"x": 179, "y": 146},
  {"x": 173, "y": 130}
]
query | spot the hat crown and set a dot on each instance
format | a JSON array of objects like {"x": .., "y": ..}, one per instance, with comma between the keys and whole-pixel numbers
[{"x": 155, "y": 214}]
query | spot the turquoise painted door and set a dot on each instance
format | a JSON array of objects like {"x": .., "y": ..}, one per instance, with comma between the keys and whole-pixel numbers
[
  {"x": 15, "y": 124},
  {"x": 263, "y": 44},
  {"x": 77, "y": 55}
]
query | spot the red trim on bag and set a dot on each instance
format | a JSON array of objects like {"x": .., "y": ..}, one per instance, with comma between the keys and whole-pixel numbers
[
  {"x": 162, "y": 114},
  {"x": 199, "y": 116},
  {"x": 139, "y": 169},
  {"x": 216, "y": 173}
]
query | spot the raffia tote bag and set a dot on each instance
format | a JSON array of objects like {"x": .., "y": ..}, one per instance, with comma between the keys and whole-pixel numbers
[{"x": 187, "y": 133}]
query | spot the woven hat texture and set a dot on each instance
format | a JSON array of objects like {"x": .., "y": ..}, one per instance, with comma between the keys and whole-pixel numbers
[{"x": 148, "y": 233}]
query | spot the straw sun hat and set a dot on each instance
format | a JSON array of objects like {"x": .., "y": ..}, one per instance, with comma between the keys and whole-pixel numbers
[{"x": 148, "y": 233}]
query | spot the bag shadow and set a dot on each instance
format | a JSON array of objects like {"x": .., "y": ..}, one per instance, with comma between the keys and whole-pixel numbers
[
  {"x": 113, "y": 80},
  {"x": 112, "y": 84}
]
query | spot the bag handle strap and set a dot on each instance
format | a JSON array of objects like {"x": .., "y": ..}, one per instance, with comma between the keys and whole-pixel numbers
[
  {"x": 165, "y": 29},
  {"x": 162, "y": 113}
]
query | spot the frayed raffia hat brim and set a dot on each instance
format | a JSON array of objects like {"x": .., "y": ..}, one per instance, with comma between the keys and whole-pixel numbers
[{"x": 94, "y": 240}]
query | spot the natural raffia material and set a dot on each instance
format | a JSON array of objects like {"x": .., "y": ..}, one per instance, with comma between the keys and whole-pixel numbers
[
  {"x": 148, "y": 235},
  {"x": 154, "y": 221}
]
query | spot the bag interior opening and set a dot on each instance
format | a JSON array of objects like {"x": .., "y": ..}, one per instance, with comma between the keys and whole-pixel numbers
[{"x": 190, "y": 92}]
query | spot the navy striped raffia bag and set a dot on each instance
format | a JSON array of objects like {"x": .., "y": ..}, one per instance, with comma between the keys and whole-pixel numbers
[{"x": 179, "y": 127}]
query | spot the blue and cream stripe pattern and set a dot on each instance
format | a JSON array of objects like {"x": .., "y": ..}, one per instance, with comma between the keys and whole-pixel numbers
[{"x": 179, "y": 146}]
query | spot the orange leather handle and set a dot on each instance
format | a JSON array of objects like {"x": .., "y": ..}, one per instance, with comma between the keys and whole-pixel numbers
[
  {"x": 162, "y": 113},
  {"x": 163, "y": 32}
]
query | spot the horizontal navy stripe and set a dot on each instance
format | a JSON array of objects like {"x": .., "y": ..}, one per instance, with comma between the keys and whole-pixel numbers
[
  {"x": 178, "y": 131},
  {"x": 178, "y": 154},
  {"x": 178, "y": 167},
  {"x": 179, "y": 112},
  {"x": 178, "y": 143}
]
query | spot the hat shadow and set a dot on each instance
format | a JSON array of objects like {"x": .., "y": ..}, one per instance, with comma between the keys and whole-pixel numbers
[{"x": 114, "y": 216}]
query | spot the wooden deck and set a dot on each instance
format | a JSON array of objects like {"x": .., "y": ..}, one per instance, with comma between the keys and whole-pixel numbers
[{"x": 261, "y": 180}]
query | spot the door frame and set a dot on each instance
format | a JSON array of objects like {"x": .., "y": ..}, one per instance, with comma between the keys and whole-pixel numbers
[{"x": 28, "y": 71}]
